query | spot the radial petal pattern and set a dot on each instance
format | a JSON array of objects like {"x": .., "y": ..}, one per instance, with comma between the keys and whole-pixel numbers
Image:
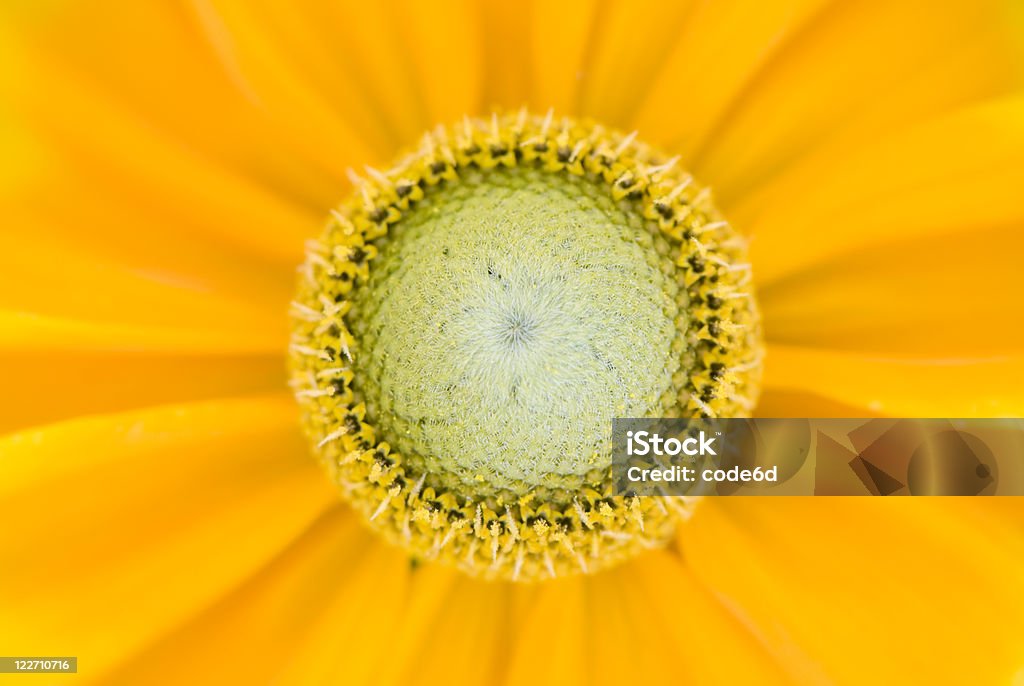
[{"x": 164, "y": 163}]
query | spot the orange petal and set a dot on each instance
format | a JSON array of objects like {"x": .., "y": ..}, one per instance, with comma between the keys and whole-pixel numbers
[
  {"x": 947, "y": 297},
  {"x": 718, "y": 52},
  {"x": 288, "y": 66},
  {"x": 903, "y": 387},
  {"x": 445, "y": 57},
  {"x": 959, "y": 173},
  {"x": 550, "y": 644},
  {"x": 856, "y": 71},
  {"x": 505, "y": 33},
  {"x": 95, "y": 141},
  {"x": 468, "y": 636},
  {"x": 28, "y": 332},
  {"x": 434, "y": 587},
  {"x": 320, "y": 612},
  {"x": 119, "y": 527},
  {"x": 706, "y": 643},
  {"x": 561, "y": 40},
  {"x": 57, "y": 385},
  {"x": 382, "y": 53},
  {"x": 52, "y": 267},
  {"x": 170, "y": 56},
  {"x": 775, "y": 402},
  {"x": 51, "y": 284},
  {"x": 853, "y": 590},
  {"x": 627, "y": 48},
  {"x": 614, "y": 653}
]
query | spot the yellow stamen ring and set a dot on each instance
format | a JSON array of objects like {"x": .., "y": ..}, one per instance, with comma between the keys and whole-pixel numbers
[{"x": 519, "y": 520}]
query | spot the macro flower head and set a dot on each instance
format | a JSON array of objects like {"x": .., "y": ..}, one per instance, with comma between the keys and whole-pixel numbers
[{"x": 314, "y": 316}]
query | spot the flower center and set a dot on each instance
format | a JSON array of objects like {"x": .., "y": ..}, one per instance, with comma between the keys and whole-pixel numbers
[
  {"x": 499, "y": 340},
  {"x": 474, "y": 318}
]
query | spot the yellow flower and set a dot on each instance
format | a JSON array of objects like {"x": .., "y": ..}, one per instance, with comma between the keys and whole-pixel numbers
[{"x": 164, "y": 164}]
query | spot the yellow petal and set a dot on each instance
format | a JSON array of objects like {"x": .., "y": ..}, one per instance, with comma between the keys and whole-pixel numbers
[
  {"x": 377, "y": 46},
  {"x": 98, "y": 142},
  {"x": 959, "y": 173},
  {"x": 175, "y": 81},
  {"x": 288, "y": 68},
  {"x": 25, "y": 332},
  {"x": 56, "y": 385},
  {"x": 706, "y": 643},
  {"x": 560, "y": 43},
  {"x": 854, "y": 590},
  {"x": 627, "y": 48},
  {"x": 119, "y": 527},
  {"x": 856, "y": 71},
  {"x": 100, "y": 259},
  {"x": 445, "y": 57},
  {"x": 339, "y": 627},
  {"x": 615, "y": 655},
  {"x": 352, "y": 80},
  {"x": 718, "y": 52},
  {"x": 775, "y": 402},
  {"x": 550, "y": 644},
  {"x": 506, "y": 56},
  {"x": 904, "y": 387},
  {"x": 319, "y": 612},
  {"x": 468, "y": 635},
  {"x": 946, "y": 297},
  {"x": 434, "y": 587},
  {"x": 58, "y": 283}
]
